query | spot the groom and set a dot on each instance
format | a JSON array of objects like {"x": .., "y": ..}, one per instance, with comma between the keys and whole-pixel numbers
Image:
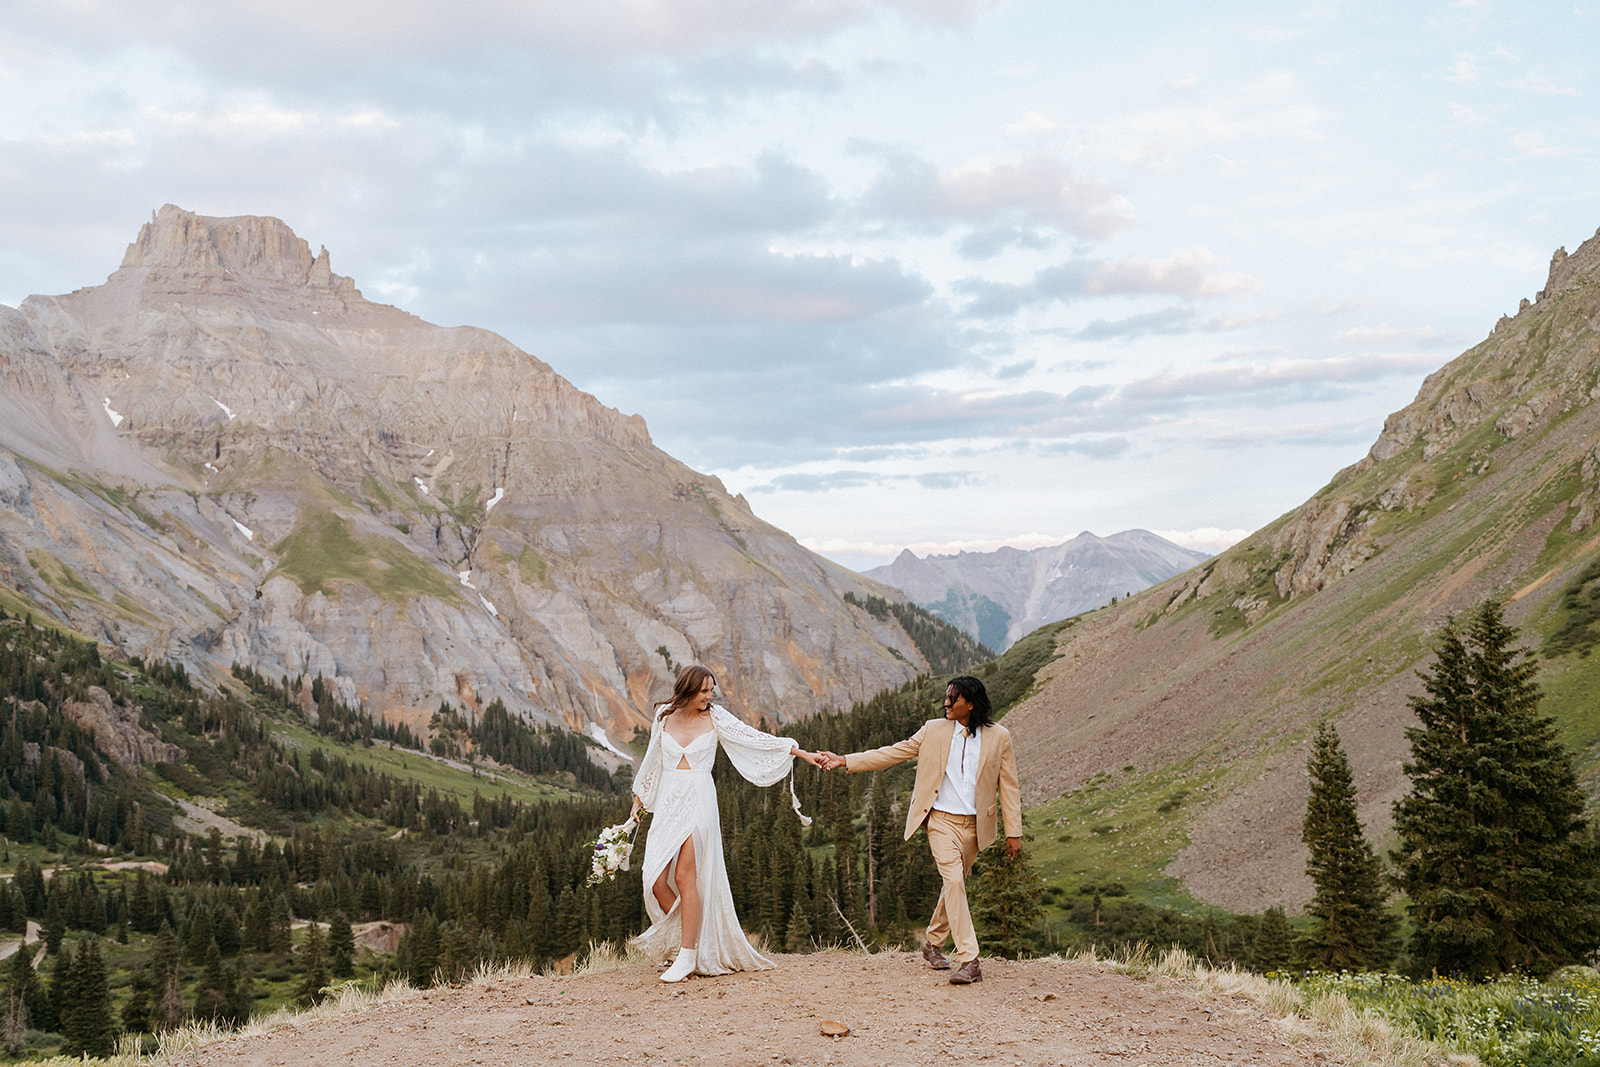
[{"x": 963, "y": 761}]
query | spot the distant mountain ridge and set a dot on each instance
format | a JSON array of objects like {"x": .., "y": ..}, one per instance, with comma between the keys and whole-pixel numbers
[
  {"x": 1207, "y": 686},
  {"x": 225, "y": 453},
  {"x": 999, "y": 596}
]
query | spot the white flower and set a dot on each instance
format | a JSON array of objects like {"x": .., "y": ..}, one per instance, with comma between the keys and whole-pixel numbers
[{"x": 611, "y": 851}]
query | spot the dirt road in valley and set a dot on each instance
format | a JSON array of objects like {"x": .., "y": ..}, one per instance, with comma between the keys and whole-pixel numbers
[{"x": 1033, "y": 1012}]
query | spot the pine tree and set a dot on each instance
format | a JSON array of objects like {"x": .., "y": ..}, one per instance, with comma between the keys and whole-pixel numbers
[
  {"x": 1273, "y": 942},
  {"x": 1005, "y": 898},
  {"x": 539, "y": 932},
  {"x": 241, "y": 997},
  {"x": 143, "y": 990},
  {"x": 568, "y": 924},
  {"x": 211, "y": 1000},
  {"x": 45, "y": 1007},
  {"x": 278, "y": 925},
  {"x": 423, "y": 950},
  {"x": 341, "y": 946},
  {"x": 315, "y": 964},
  {"x": 167, "y": 965},
  {"x": 86, "y": 1021},
  {"x": 1498, "y": 874},
  {"x": 1350, "y": 929},
  {"x": 19, "y": 977},
  {"x": 798, "y": 936}
]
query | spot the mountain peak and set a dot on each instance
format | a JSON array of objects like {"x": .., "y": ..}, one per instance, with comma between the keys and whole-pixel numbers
[
  {"x": 1565, "y": 269},
  {"x": 243, "y": 248}
]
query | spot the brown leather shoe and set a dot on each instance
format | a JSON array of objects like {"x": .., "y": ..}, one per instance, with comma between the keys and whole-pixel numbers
[
  {"x": 967, "y": 973},
  {"x": 934, "y": 957}
]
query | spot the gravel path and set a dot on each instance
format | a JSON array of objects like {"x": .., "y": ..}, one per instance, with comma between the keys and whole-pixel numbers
[{"x": 1046, "y": 1012}]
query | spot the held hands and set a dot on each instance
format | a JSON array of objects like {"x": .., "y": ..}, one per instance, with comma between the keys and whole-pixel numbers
[{"x": 827, "y": 761}]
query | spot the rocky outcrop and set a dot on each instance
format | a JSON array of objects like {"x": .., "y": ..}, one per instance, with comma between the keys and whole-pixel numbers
[
  {"x": 116, "y": 731},
  {"x": 1521, "y": 379},
  {"x": 1566, "y": 271},
  {"x": 225, "y": 453}
]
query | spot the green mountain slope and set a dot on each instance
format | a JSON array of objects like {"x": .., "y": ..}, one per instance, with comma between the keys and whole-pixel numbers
[{"x": 1489, "y": 482}]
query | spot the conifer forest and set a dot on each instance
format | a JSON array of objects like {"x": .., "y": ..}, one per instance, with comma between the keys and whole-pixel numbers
[{"x": 374, "y": 851}]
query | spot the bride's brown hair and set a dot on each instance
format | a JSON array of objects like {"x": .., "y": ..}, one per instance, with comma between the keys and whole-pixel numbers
[{"x": 690, "y": 681}]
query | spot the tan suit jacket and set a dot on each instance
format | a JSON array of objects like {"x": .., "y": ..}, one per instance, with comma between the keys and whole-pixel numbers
[{"x": 930, "y": 747}]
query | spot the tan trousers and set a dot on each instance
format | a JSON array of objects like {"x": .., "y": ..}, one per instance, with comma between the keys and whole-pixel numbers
[{"x": 953, "y": 840}]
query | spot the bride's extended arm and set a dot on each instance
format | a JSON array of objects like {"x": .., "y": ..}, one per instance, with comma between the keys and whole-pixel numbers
[{"x": 760, "y": 757}]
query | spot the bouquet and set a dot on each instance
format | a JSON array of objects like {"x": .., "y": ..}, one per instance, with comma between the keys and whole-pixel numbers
[{"x": 611, "y": 851}]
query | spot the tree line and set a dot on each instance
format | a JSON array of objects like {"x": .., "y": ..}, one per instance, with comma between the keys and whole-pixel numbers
[
  {"x": 1497, "y": 863},
  {"x": 1494, "y": 857}
]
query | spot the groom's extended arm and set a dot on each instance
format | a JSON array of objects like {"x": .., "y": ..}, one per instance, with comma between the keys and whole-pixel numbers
[{"x": 887, "y": 756}]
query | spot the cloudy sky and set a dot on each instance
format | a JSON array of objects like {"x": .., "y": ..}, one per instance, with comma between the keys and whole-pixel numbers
[{"x": 932, "y": 273}]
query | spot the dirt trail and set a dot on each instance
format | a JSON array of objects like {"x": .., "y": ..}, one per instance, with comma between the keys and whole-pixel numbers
[{"x": 1044, "y": 1012}]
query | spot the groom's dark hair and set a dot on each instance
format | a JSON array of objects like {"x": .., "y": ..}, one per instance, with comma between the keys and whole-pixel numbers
[{"x": 968, "y": 686}]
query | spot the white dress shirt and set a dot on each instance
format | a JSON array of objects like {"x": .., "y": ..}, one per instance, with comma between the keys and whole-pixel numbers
[{"x": 958, "y": 793}]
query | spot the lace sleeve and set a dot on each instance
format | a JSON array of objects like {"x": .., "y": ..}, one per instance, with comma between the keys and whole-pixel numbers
[
  {"x": 757, "y": 755},
  {"x": 648, "y": 780}
]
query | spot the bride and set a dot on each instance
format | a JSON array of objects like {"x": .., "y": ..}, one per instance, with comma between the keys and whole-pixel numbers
[{"x": 686, "y": 883}]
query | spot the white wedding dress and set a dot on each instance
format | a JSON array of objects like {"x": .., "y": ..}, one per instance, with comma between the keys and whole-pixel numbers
[{"x": 683, "y": 804}]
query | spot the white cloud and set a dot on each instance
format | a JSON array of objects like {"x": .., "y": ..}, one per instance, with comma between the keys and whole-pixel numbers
[
  {"x": 1535, "y": 145},
  {"x": 1029, "y": 124},
  {"x": 1187, "y": 273},
  {"x": 1204, "y": 538},
  {"x": 1239, "y": 379},
  {"x": 1465, "y": 70},
  {"x": 1033, "y": 193},
  {"x": 1385, "y": 334}
]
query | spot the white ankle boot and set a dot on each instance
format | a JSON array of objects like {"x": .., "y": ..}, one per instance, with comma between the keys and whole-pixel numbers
[{"x": 681, "y": 967}]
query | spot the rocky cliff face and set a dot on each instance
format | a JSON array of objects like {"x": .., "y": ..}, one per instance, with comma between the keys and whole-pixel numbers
[
  {"x": 1487, "y": 483},
  {"x": 999, "y": 596},
  {"x": 225, "y": 453}
]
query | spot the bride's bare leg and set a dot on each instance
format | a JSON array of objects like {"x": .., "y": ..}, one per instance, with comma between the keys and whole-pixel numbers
[
  {"x": 689, "y": 894},
  {"x": 663, "y": 892}
]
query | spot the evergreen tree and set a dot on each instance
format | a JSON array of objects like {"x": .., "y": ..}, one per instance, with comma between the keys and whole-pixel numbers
[
  {"x": 798, "y": 936},
  {"x": 225, "y": 928},
  {"x": 241, "y": 998},
  {"x": 167, "y": 966},
  {"x": 55, "y": 922},
  {"x": 569, "y": 924},
  {"x": 257, "y": 923},
  {"x": 1273, "y": 942},
  {"x": 211, "y": 1000},
  {"x": 315, "y": 964},
  {"x": 1005, "y": 898},
  {"x": 45, "y": 1008},
  {"x": 341, "y": 946},
  {"x": 423, "y": 950},
  {"x": 278, "y": 936},
  {"x": 86, "y": 1021},
  {"x": 19, "y": 982},
  {"x": 1350, "y": 930},
  {"x": 540, "y": 916},
  {"x": 1498, "y": 874},
  {"x": 143, "y": 991}
]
